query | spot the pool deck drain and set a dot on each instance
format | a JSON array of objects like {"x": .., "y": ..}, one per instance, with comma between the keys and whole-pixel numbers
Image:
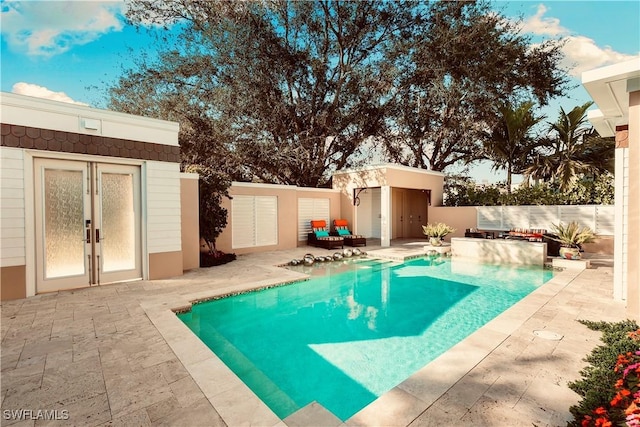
[{"x": 117, "y": 354}]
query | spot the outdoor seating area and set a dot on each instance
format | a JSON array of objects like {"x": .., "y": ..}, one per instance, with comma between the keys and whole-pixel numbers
[
  {"x": 530, "y": 235},
  {"x": 319, "y": 236},
  {"x": 341, "y": 228}
]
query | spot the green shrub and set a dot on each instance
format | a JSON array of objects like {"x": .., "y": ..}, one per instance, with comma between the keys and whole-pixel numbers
[
  {"x": 463, "y": 191},
  {"x": 597, "y": 387}
]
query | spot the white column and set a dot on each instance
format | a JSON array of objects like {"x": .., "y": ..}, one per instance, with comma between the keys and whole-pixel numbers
[
  {"x": 620, "y": 219},
  {"x": 385, "y": 215}
]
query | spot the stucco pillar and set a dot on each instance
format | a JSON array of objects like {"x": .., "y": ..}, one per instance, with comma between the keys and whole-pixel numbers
[
  {"x": 385, "y": 215},
  {"x": 621, "y": 216}
]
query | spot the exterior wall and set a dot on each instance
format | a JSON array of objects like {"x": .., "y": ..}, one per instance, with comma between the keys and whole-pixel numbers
[
  {"x": 37, "y": 128},
  {"x": 621, "y": 249},
  {"x": 459, "y": 217},
  {"x": 29, "y": 137},
  {"x": 419, "y": 180},
  {"x": 13, "y": 284},
  {"x": 163, "y": 218},
  {"x": 51, "y": 116},
  {"x": 633, "y": 272},
  {"x": 190, "y": 220},
  {"x": 287, "y": 214},
  {"x": 12, "y": 209},
  {"x": 388, "y": 178},
  {"x": 13, "y": 277},
  {"x": 499, "y": 251},
  {"x": 165, "y": 265},
  {"x": 602, "y": 245},
  {"x": 389, "y": 175}
]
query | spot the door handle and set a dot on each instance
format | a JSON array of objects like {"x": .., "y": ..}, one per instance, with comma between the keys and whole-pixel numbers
[
  {"x": 88, "y": 239},
  {"x": 97, "y": 235}
]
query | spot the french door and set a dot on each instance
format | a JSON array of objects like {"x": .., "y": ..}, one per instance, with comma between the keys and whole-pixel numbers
[{"x": 87, "y": 223}]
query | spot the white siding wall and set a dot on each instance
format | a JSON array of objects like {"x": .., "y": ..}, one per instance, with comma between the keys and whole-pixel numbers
[
  {"x": 621, "y": 251},
  {"x": 312, "y": 209},
  {"x": 12, "y": 209},
  {"x": 600, "y": 218},
  {"x": 163, "y": 207}
]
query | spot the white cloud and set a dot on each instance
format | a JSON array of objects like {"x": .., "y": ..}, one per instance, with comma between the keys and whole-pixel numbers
[
  {"x": 48, "y": 28},
  {"x": 581, "y": 53},
  {"x": 540, "y": 25},
  {"x": 30, "y": 89}
]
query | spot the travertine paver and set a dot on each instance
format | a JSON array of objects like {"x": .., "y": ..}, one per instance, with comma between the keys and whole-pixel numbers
[
  {"x": 113, "y": 355},
  {"x": 310, "y": 414}
]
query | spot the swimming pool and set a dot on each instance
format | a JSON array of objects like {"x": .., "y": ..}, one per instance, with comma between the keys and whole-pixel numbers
[{"x": 355, "y": 330}]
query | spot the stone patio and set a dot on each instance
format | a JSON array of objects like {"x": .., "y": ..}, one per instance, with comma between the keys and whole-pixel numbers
[{"x": 116, "y": 355}]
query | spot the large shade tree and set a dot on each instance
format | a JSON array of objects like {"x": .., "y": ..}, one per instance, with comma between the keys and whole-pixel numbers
[
  {"x": 510, "y": 144},
  {"x": 457, "y": 65},
  {"x": 279, "y": 91},
  {"x": 289, "y": 91}
]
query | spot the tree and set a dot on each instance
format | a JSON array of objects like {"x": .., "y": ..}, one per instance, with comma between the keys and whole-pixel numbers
[
  {"x": 289, "y": 90},
  {"x": 213, "y": 186},
  {"x": 461, "y": 61},
  {"x": 572, "y": 150},
  {"x": 509, "y": 143}
]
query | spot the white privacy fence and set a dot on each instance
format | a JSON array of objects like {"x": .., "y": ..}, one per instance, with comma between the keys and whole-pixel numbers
[{"x": 600, "y": 218}]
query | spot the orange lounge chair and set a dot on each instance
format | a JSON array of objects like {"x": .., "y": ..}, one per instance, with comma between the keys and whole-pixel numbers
[
  {"x": 341, "y": 228},
  {"x": 319, "y": 236}
]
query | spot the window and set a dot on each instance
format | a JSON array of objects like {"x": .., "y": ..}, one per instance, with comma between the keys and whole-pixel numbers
[
  {"x": 254, "y": 221},
  {"x": 309, "y": 209}
]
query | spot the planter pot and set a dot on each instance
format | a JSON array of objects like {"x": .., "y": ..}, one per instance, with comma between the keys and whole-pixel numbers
[
  {"x": 435, "y": 241},
  {"x": 570, "y": 253}
]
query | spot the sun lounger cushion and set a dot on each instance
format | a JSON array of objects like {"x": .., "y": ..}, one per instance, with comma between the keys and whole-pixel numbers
[
  {"x": 321, "y": 223},
  {"x": 343, "y": 232}
]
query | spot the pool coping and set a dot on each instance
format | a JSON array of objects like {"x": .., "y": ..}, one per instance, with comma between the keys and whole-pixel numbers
[{"x": 237, "y": 404}]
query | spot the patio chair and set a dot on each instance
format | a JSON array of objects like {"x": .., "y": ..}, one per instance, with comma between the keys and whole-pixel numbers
[
  {"x": 320, "y": 237},
  {"x": 341, "y": 227}
]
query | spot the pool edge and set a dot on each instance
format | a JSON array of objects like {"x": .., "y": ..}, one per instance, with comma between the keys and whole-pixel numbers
[{"x": 237, "y": 404}]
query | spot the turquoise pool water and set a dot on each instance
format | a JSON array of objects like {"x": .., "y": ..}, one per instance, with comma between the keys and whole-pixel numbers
[{"x": 356, "y": 329}]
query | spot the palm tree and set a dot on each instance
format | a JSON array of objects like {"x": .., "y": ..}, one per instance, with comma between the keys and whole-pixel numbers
[
  {"x": 509, "y": 143},
  {"x": 573, "y": 150}
]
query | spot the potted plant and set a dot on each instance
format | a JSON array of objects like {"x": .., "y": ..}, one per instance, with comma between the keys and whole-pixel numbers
[
  {"x": 571, "y": 238},
  {"x": 436, "y": 232}
]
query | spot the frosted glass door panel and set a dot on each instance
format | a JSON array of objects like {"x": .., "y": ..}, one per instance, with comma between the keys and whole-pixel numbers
[
  {"x": 64, "y": 226},
  {"x": 62, "y": 206},
  {"x": 117, "y": 210},
  {"x": 118, "y": 232}
]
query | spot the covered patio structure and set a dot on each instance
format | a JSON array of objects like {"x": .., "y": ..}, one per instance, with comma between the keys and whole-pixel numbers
[{"x": 388, "y": 201}]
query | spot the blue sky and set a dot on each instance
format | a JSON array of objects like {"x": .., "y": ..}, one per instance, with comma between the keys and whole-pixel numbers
[{"x": 71, "y": 50}]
